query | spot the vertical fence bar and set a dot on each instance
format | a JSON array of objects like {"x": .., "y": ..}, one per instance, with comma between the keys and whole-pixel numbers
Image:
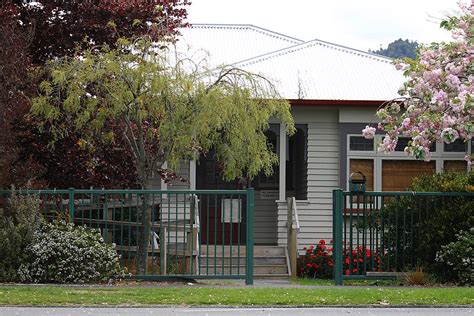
[
  {"x": 192, "y": 225},
  {"x": 364, "y": 233},
  {"x": 185, "y": 239},
  {"x": 176, "y": 253},
  {"x": 249, "y": 265},
  {"x": 223, "y": 214},
  {"x": 153, "y": 239},
  {"x": 215, "y": 233},
  {"x": 382, "y": 234},
  {"x": 208, "y": 228},
  {"x": 337, "y": 227},
  {"x": 231, "y": 239},
  {"x": 351, "y": 233},
  {"x": 71, "y": 205},
  {"x": 238, "y": 234}
]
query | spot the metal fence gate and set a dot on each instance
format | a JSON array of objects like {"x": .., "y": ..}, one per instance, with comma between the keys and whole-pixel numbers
[
  {"x": 163, "y": 234},
  {"x": 375, "y": 233}
]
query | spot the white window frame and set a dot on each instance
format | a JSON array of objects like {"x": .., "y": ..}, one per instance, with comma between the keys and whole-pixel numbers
[{"x": 439, "y": 156}]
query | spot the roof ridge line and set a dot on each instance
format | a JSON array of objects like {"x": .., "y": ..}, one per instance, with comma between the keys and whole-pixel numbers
[
  {"x": 301, "y": 46},
  {"x": 254, "y": 27}
]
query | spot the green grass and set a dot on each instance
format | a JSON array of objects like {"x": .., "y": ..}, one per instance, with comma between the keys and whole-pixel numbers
[
  {"x": 242, "y": 296},
  {"x": 321, "y": 282}
]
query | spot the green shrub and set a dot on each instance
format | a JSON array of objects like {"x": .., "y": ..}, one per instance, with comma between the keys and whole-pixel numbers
[
  {"x": 458, "y": 257},
  {"x": 421, "y": 224},
  {"x": 444, "y": 182},
  {"x": 17, "y": 228},
  {"x": 442, "y": 223},
  {"x": 13, "y": 242},
  {"x": 65, "y": 253}
]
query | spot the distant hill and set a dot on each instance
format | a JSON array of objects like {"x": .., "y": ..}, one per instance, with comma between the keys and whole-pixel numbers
[{"x": 398, "y": 49}]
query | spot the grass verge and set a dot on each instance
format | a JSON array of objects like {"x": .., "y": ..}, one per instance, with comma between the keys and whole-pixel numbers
[
  {"x": 199, "y": 296},
  {"x": 323, "y": 282}
]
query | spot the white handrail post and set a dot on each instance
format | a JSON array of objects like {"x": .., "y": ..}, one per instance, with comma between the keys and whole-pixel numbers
[
  {"x": 293, "y": 228},
  {"x": 282, "y": 161}
]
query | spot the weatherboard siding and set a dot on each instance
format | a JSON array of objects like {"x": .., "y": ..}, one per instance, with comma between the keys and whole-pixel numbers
[
  {"x": 265, "y": 219},
  {"x": 315, "y": 214}
]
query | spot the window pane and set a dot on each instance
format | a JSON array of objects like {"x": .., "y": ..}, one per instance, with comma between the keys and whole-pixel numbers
[
  {"x": 397, "y": 175},
  {"x": 403, "y": 142},
  {"x": 458, "y": 146},
  {"x": 455, "y": 166},
  {"x": 359, "y": 143},
  {"x": 366, "y": 166}
]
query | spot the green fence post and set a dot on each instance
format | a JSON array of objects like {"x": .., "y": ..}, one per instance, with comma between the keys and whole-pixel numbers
[
  {"x": 337, "y": 230},
  {"x": 249, "y": 252},
  {"x": 71, "y": 205}
]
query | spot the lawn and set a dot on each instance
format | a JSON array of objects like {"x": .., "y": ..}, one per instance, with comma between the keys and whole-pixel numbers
[
  {"x": 324, "y": 282},
  {"x": 232, "y": 296}
]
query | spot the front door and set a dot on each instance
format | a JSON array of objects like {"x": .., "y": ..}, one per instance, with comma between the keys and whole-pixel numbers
[{"x": 223, "y": 217}]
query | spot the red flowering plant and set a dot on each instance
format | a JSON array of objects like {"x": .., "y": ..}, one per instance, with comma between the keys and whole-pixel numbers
[
  {"x": 359, "y": 260},
  {"x": 317, "y": 262}
]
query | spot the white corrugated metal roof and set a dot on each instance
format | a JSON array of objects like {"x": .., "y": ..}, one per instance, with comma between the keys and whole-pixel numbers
[
  {"x": 318, "y": 70},
  {"x": 230, "y": 43},
  {"x": 314, "y": 70}
]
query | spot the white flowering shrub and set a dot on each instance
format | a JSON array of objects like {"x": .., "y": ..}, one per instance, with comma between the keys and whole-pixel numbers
[
  {"x": 459, "y": 257},
  {"x": 65, "y": 253}
]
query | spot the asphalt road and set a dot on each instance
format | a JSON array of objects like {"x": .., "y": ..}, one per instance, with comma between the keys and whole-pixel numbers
[{"x": 55, "y": 311}]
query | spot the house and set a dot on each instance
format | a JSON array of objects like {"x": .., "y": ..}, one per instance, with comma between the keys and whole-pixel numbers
[{"x": 334, "y": 93}]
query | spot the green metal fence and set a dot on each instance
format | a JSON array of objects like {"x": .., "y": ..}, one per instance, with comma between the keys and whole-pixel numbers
[
  {"x": 163, "y": 234},
  {"x": 376, "y": 234}
]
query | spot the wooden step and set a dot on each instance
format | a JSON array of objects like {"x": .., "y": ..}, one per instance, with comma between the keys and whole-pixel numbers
[
  {"x": 234, "y": 269},
  {"x": 239, "y": 260},
  {"x": 269, "y": 261},
  {"x": 284, "y": 276},
  {"x": 268, "y": 251},
  {"x": 258, "y": 251}
]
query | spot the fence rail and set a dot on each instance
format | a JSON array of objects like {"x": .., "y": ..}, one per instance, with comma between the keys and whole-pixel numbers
[
  {"x": 163, "y": 234},
  {"x": 377, "y": 234}
]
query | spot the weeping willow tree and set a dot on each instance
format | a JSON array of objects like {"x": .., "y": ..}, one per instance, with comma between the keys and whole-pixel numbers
[{"x": 165, "y": 106}]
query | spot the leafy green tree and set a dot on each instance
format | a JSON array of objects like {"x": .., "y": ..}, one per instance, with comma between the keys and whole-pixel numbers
[
  {"x": 166, "y": 113},
  {"x": 399, "y": 49},
  {"x": 167, "y": 108}
]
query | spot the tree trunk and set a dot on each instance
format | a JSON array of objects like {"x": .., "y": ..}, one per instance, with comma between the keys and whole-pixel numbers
[{"x": 144, "y": 218}]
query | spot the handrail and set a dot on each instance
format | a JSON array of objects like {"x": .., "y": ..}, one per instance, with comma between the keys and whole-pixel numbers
[
  {"x": 197, "y": 221},
  {"x": 293, "y": 228},
  {"x": 196, "y": 236},
  {"x": 297, "y": 220}
]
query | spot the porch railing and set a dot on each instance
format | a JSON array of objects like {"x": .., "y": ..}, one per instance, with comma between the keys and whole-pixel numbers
[
  {"x": 376, "y": 234},
  {"x": 163, "y": 234},
  {"x": 293, "y": 229}
]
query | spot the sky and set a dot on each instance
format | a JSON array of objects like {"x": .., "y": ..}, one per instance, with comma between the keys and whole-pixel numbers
[{"x": 360, "y": 24}]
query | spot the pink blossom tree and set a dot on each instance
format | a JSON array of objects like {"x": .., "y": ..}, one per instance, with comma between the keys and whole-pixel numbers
[{"x": 437, "y": 102}]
